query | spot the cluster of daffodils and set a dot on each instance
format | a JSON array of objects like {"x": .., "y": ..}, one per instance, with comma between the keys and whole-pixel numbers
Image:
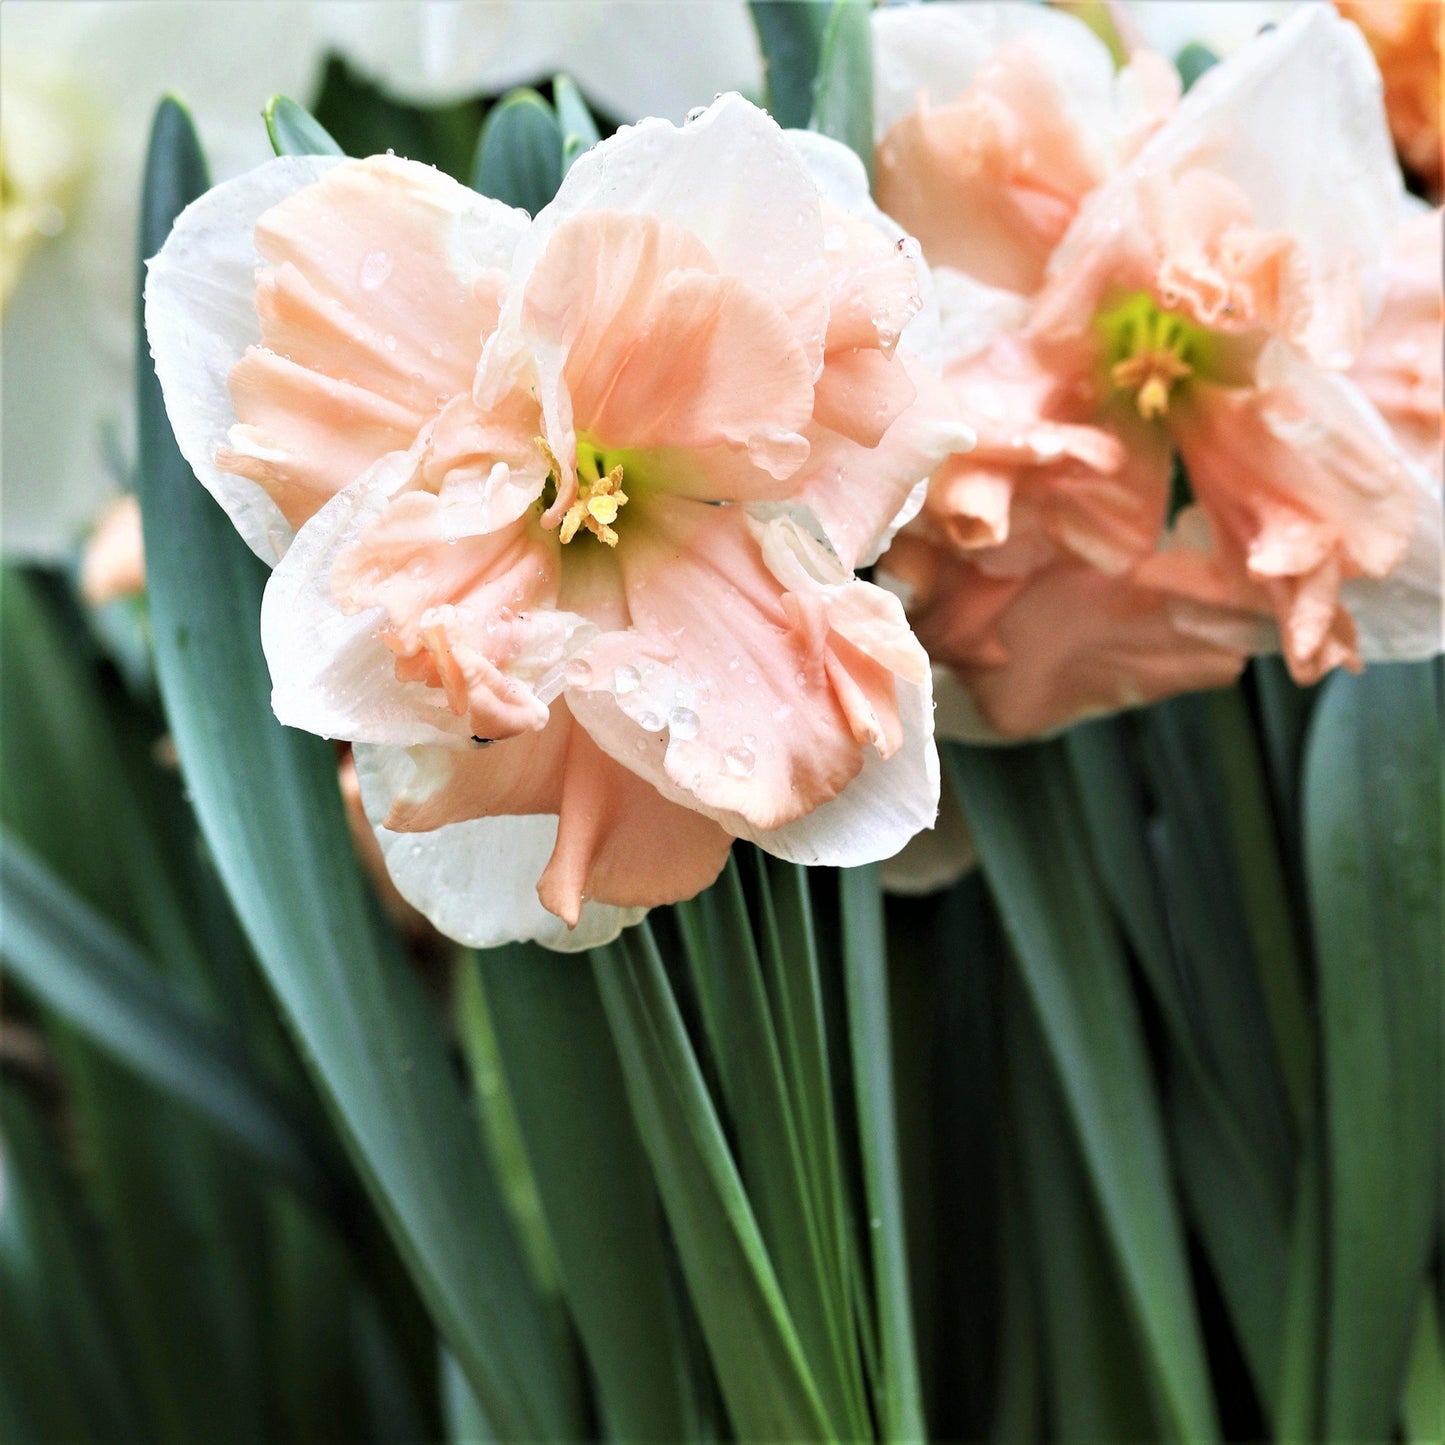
[
  {"x": 1200, "y": 341},
  {"x": 1114, "y": 388},
  {"x": 564, "y": 511}
]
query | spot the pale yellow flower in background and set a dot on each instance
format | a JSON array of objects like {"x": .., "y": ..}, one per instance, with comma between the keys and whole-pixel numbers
[{"x": 80, "y": 81}]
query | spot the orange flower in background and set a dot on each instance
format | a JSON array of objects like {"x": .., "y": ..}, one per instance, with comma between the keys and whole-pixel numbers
[
  {"x": 1244, "y": 299},
  {"x": 565, "y": 512},
  {"x": 1405, "y": 36}
]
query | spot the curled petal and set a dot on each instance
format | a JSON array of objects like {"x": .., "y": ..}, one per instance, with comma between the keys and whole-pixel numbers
[
  {"x": 200, "y": 318},
  {"x": 618, "y": 840},
  {"x": 383, "y": 279},
  {"x": 757, "y": 682},
  {"x": 477, "y": 880},
  {"x": 619, "y": 299}
]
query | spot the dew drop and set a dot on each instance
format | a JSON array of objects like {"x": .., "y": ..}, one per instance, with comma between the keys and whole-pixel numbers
[
  {"x": 578, "y": 672},
  {"x": 801, "y": 678},
  {"x": 649, "y": 721},
  {"x": 740, "y": 762},
  {"x": 375, "y": 268},
  {"x": 626, "y": 679},
  {"x": 683, "y": 723}
]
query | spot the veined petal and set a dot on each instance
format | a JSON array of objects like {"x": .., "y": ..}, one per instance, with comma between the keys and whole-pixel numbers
[
  {"x": 382, "y": 281},
  {"x": 1305, "y": 479},
  {"x": 477, "y": 881},
  {"x": 1294, "y": 120},
  {"x": 730, "y": 177},
  {"x": 756, "y": 683},
  {"x": 618, "y": 840},
  {"x": 200, "y": 318},
  {"x": 619, "y": 299},
  {"x": 331, "y": 674}
]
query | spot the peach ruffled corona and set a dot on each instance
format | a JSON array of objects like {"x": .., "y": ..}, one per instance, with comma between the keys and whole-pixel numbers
[
  {"x": 565, "y": 512},
  {"x": 1234, "y": 296}
]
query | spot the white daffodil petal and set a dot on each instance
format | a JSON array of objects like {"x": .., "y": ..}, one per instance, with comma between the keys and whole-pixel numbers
[
  {"x": 1401, "y": 617},
  {"x": 200, "y": 311},
  {"x": 330, "y": 672},
  {"x": 938, "y": 49},
  {"x": 1328, "y": 174},
  {"x": 935, "y": 858},
  {"x": 477, "y": 881}
]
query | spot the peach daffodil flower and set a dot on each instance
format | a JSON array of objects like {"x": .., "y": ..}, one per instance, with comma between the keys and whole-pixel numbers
[
  {"x": 565, "y": 512},
  {"x": 1209, "y": 417}
]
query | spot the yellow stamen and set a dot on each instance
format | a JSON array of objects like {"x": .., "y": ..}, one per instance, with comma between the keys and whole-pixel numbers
[
  {"x": 1150, "y": 351},
  {"x": 599, "y": 499}
]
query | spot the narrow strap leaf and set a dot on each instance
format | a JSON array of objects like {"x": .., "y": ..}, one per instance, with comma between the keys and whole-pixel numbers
[
  {"x": 761, "y": 1370},
  {"x": 843, "y": 104},
  {"x": 865, "y": 967},
  {"x": 294, "y": 131},
  {"x": 1031, "y": 840},
  {"x": 66, "y": 954},
  {"x": 791, "y": 35},
  {"x": 270, "y": 809},
  {"x": 1372, "y": 810},
  {"x": 519, "y": 153}
]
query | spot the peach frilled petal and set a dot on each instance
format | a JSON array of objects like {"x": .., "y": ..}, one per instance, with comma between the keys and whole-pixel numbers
[
  {"x": 381, "y": 282},
  {"x": 861, "y": 489},
  {"x": 200, "y": 318},
  {"x": 476, "y": 880},
  {"x": 755, "y": 677},
  {"x": 1068, "y": 643},
  {"x": 622, "y": 299},
  {"x": 993, "y": 122},
  {"x": 1305, "y": 484},
  {"x": 619, "y": 841},
  {"x": 1053, "y": 468},
  {"x": 403, "y": 617},
  {"x": 1294, "y": 120},
  {"x": 1400, "y": 367},
  {"x": 731, "y": 178}
]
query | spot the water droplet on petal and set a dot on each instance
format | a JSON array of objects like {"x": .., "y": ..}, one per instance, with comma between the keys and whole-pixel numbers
[
  {"x": 375, "y": 268},
  {"x": 649, "y": 721},
  {"x": 740, "y": 762},
  {"x": 683, "y": 723},
  {"x": 626, "y": 679},
  {"x": 578, "y": 672}
]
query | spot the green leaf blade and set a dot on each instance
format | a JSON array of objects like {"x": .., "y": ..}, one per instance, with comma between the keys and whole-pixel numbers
[{"x": 269, "y": 806}]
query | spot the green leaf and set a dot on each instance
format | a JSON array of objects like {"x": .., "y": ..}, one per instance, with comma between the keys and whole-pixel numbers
[
  {"x": 602, "y": 1211},
  {"x": 1031, "y": 838},
  {"x": 843, "y": 107},
  {"x": 1423, "y": 1407},
  {"x": 1193, "y": 61},
  {"x": 797, "y": 1204},
  {"x": 761, "y": 1370},
  {"x": 294, "y": 131},
  {"x": 791, "y": 35},
  {"x": 579, "y": 130},
  {"x": 1098, "y": 1389},
  {"x": 898, "y": 1395},
  {"x": 270, "y": 809},
  {"x": 1372, "y": 801},
  {"x": 77, "y": 963},
  {"x": 66, "y": 1370},
  {"x": 519, "y": 154}
]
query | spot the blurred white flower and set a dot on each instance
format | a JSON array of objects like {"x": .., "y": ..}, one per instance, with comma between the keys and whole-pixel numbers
[
  {"x": 81, "y": 79},
  {"x": 1220, "y": 25}
]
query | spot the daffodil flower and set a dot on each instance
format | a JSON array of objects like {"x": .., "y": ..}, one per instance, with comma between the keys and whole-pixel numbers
[{"x": 565, "y": 512}]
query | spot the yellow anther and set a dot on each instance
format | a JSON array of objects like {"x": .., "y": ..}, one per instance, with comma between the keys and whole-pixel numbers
[
  {"x": 598, "y": 502},
  {"x": 1150, "y": 351},
  {"x": 1153, "y": 375}
]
